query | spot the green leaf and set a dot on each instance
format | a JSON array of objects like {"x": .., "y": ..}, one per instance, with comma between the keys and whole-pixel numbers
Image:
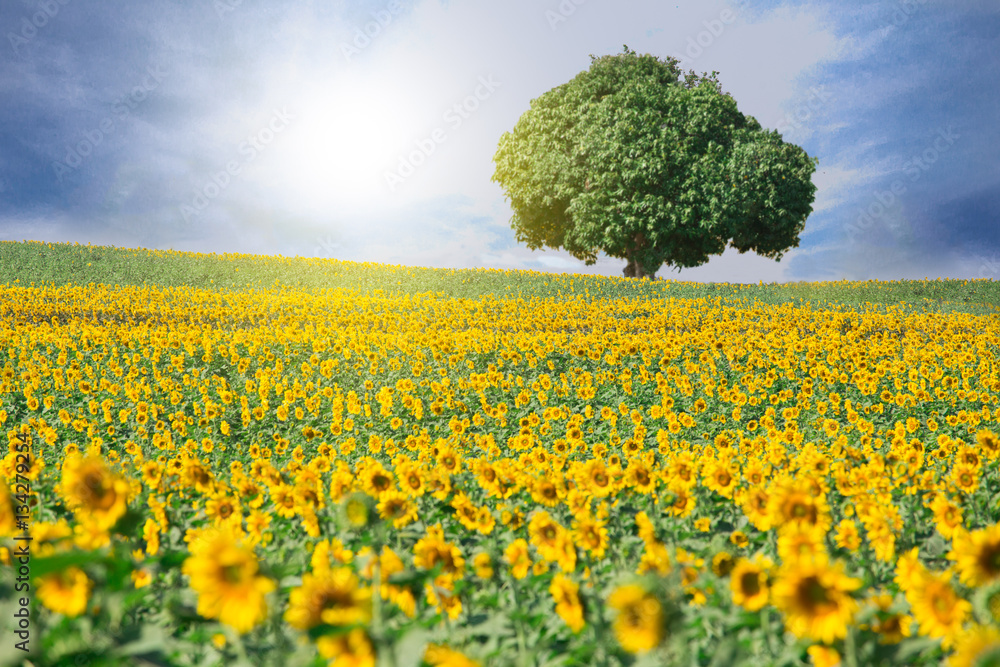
[
  {"x": 41, "y": 567},
  {"x": 409, "y": 650}
]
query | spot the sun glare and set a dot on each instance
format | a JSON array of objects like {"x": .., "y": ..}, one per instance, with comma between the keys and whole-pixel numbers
[{"x": 345, "y": 138}]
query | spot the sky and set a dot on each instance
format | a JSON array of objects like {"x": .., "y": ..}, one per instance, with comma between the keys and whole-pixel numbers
[{"x": 365, "y": 130}]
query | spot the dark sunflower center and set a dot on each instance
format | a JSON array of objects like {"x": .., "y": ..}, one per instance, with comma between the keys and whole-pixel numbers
[
  {"x": 813, "y": 595},
  {"x": 750, "y": 584},
  {"x": 989, "y": 560},
  {"x": 232, "y": 574}
]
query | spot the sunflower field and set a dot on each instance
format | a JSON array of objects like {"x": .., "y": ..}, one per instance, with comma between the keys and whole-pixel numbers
[{"x": 362, "y": 475}]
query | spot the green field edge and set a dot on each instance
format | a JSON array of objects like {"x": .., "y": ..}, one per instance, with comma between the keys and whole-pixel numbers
[{"x": 25, "y": 263}]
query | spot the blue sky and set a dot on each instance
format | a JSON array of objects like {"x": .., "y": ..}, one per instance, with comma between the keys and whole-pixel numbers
[{"x": 365, "y": 130}]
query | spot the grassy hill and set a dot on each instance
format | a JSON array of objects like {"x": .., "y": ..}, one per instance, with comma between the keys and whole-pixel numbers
[{"x": 61, "y": 263}]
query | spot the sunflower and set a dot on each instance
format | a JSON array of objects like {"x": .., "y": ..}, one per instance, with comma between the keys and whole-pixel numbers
[
  {"x": 483, "y": 565},
  {"x": 545, "y": 532},
  {"x": 411, "y": 479},
  {"x": 978, "y": 646},
  {"x": 566, "y": 594},
  {"x": 376, "y": 480},
  {"x": 350, "y": 649},
  {"x": 8, "y": 511},
  {"x": 639, "y": 477},
  {"x": 947, "y": 515},
  {"x": 591, "y": 534},
  {"x": 989, "y": 443},
  {"x": 754, "y": 502},
  {"x": 596, "y": 478},
  {"x": 93, "y": 492},
  {"x": 977, "y": 555},
  {"x": 681, "y": 502},
  {"x": 847, "y": 535},
  {"x": 891, "y": 627},
  {"x": 517, "y": 556},
  {"x": 720, "y": 477},
  {"x": 437, "y": 655},
  {"x": 796, "y": 501},
  {"x": 397, "y": 507},
  {"x": 965, "y": 477},
  {"x": 223, "y": 509},
  {"x": 723, "y": 563},
  {"x": 749, "y": 583},
  {"x": 655, "y": 559},
  {"x": 332, "y": 597},
  {"x": 546, "y": 492},
  {"x": 801, "y": 541},
  {"x": 639, "y": 624},
  {"x": 815, "y": 598},
  {"x": 65, "y": 592},
  {"x": 433, "y": 549},
  {"x": 683, "y": 470},
  {"x": 939, "y": 611},
  {"x": 224, "y": 574},
  {"x": 823, "y": 656}
]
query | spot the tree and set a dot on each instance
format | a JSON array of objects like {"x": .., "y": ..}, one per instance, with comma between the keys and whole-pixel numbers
[{"x": 630, "y": 159}]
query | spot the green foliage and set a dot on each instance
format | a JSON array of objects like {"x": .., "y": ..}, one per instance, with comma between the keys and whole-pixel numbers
[
  {"x": 62, "y": 263},
  {"x": 632, "y": 159}
]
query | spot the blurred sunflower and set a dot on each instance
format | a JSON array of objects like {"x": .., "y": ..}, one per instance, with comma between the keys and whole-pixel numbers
[
  {"x": 224, "y": 574},
  {"x": 65, "y": 592},
  {"x": 566, "y": 594},
  {"x": 977, "y": 555},
  {"x": 639, "y": 625},
  {"x": 815, "y": 598},
  {"x": 749, "y": 583},
  {"x": 332, "y": 597},
  {"x": 93, "y": 492},
  {"x": 518, "y": 558},
  {"x": 939, "y": 610}
]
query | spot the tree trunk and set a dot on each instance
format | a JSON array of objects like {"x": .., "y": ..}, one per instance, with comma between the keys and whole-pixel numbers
[{"x": 633, "y": 269}]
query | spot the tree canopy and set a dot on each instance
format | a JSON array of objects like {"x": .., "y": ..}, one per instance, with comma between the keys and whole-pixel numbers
[{"x": 637, "y": 160}]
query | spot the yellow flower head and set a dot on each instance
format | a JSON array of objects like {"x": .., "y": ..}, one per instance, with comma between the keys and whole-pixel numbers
[
  {"x": 93, "y": 491},
  {"x": 749, "y": 583},
  {"x": 566, "y": 594},
  {"x": 517, "y": 556},
  {"x": 332, "y": 596},
  {"x": 977, "y": 555},
  {"x": 65, "y": 592},
  {"x": 224, "y": 574},
  {"x": 640, "y": 622},
  {"x": 815, "y": 598}
]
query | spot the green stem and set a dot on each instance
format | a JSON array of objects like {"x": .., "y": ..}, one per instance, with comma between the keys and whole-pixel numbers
[
  {"x": 522, "y": 650},
  {"x": 768, "y": 627},
  {"x": 377, "y": 630},
  {"x": 850, "y": 649}
]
